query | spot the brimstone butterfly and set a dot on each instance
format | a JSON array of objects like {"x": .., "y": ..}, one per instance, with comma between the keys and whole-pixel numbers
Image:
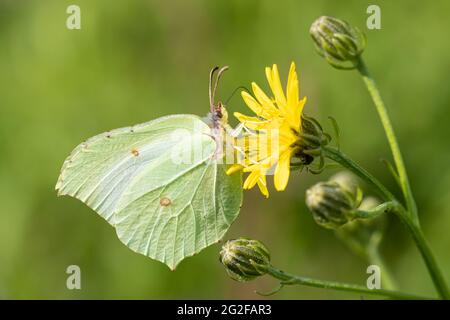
[{"x": 161, "y": 207}]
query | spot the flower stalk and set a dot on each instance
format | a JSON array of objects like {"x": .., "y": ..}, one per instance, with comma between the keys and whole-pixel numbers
[
  {"x": 427, "y": 255},
  {"x": 412, "y": 226},
  {"x": 289, "y": 279},
  {"x": 386, "y": 207},
  {"x": 246, "y": 259},
  {"x": 339, "y": 157},
  {"x": 390, "y": 134},
  {"x": 410, "y": 215}
]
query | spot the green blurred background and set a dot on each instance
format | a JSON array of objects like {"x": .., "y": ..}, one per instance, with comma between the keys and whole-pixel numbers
[{"x": 133, "y": 61}]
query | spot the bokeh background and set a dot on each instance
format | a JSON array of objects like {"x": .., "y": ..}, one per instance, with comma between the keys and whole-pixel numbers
[{"x": 136, "y": 60}]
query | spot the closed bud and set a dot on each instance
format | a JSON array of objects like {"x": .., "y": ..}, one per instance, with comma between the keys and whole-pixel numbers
[
  {"x": 346, "y": 180},
  {"x": 369, "y": 203},
  {"x": 338, "y": 42},
  {"x": 330, "y": 204},
  {"x": 245, "y": 259}
]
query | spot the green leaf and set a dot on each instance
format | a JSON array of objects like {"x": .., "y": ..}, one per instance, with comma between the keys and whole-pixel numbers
[{"x": 158, "y": 184}]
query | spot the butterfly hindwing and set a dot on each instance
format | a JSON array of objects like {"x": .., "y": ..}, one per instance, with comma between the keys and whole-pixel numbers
[{"x": 182, "y": 217}]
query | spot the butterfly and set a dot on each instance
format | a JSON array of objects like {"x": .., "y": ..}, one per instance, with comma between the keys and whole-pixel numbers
[{"x": 161, "y": 184}]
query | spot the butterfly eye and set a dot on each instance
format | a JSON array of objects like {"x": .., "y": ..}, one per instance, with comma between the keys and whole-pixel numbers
[{"x": 218, "y": 111}]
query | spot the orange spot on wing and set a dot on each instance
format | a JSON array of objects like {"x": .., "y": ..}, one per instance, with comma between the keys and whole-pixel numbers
[
  {"x": 165, "y": 202},
  {"x": 135, "y": 152}
]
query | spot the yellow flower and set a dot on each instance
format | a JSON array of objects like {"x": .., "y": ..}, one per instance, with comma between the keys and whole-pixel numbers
[{"x": 276, "y": 128}]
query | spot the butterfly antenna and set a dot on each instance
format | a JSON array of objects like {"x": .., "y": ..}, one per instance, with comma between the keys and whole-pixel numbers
[
  {"x": 211, "y": 92},
  {"x": 219, "y": 75},
  {"x": 234, "y": 92}
]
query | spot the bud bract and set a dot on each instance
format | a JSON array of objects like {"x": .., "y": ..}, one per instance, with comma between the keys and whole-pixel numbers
[{"x": 311, "y": 140}]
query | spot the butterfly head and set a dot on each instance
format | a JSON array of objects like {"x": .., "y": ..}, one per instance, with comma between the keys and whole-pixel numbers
[{"x": 220, "y": 114}]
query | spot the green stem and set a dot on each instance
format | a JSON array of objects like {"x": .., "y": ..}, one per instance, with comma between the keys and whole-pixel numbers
[
  {"x": 414, "y": 228},
  {"x": 336, "y": 155},
  {"x": 413, "y": 223},
  {"x": 384, "y": 117},
  {"x": 289, "y": 279},
  {"x": 427, "y": 255},
  {"x": 383, "y": 208}
]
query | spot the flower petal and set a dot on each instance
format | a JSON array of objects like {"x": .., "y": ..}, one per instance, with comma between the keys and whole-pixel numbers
[
  {"x": 265, "y": 101},
  {"x": 234, "y": 168},
  {"x": 292, "y": 88},
  {"x": 252, "y": 123},
  {"x": 262, "y": 184},
  {"x": 252, "y": 179},
  {"x": 273, "y": 78},
  {"x": 282, "y": 171},
  {"x": 252, "y": 104},
  {"x": 297, "y": 116}
]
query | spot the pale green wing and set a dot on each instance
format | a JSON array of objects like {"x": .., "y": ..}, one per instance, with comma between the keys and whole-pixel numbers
[
  {"x": 99, "y": 170},
  {"x": 183, "y": 216},
  {"x": 162, "y": 208}
]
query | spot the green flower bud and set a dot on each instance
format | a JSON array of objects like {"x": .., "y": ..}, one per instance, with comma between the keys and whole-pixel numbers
[
  {"x": 338, "y": 42},
  {"x": 369, "y": 203},
  {"x": 346, "y": 180},
  {"x": 245, "y": 259},
  {"x": 330, "y": 204}
]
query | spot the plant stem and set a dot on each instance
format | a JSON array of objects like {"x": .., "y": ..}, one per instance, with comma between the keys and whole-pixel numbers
[
  {"x": 289, "y": 279},
  {"x": 427, "y": 255},
  {"x": 384, "y": 117},
  {"x": 412, "y": 226},
  {"x": 336, "y": 155},
  {"x": 413, "y": 223},
  {"x": 385, "y": 207}
]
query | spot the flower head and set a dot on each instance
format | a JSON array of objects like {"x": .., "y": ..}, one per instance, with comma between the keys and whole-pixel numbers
[{"x": 274, "y": 134}]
